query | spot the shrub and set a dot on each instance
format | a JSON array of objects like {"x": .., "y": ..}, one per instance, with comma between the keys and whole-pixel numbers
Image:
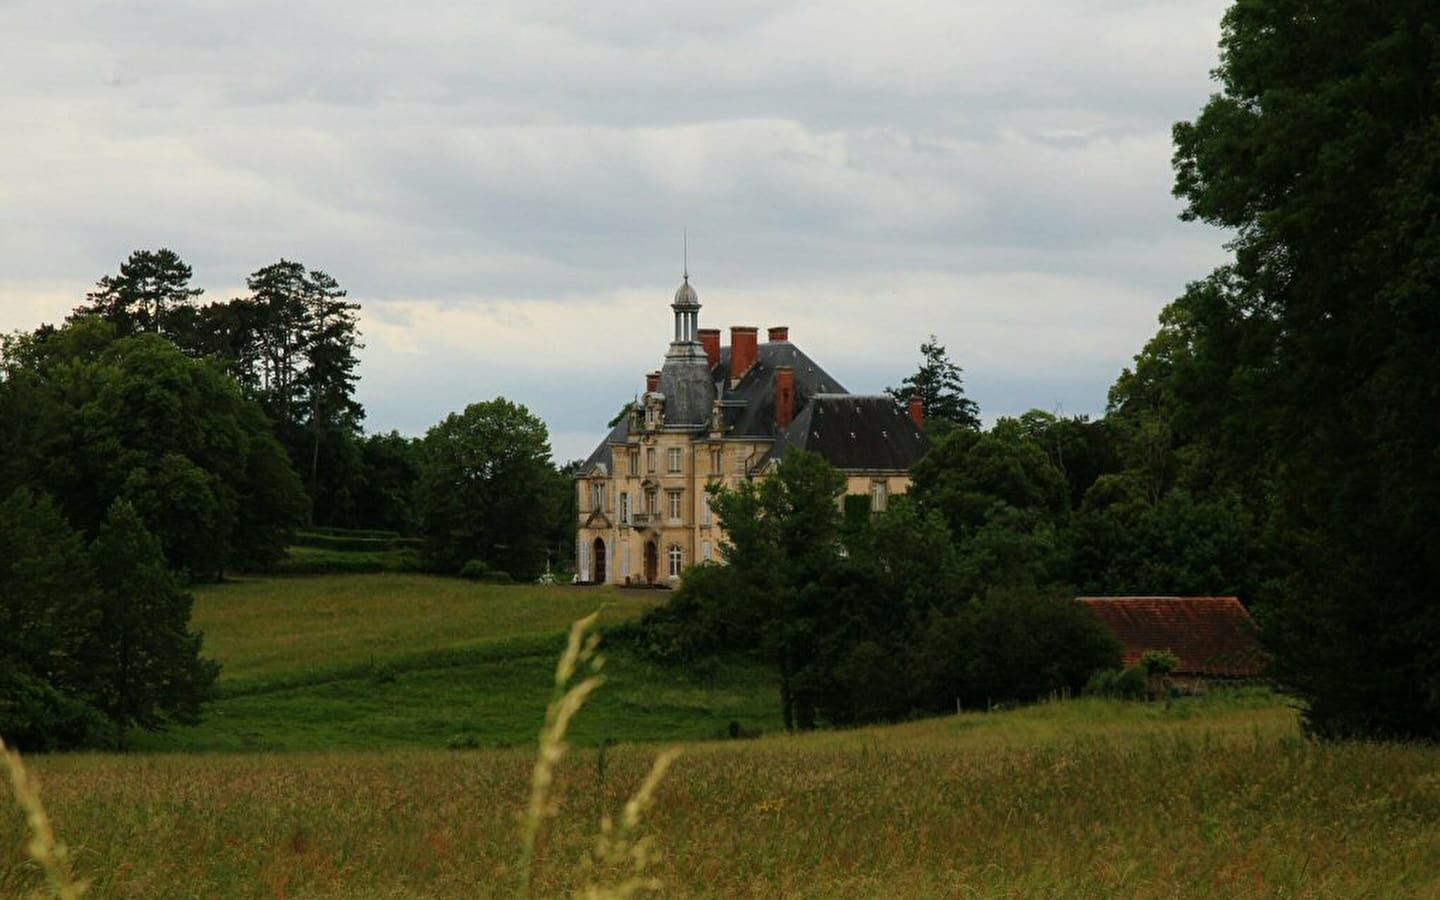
[
  {"x": 34, "y": 716},
  {"x": 1158, "y": 663},
  {"x": 475, "y": 570},
  {"x": 1126, "y": 684},
  {"x": 310, "y": 561}
]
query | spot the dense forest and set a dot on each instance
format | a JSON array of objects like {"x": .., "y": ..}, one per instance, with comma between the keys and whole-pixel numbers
[{"x": 199, "y": 438}]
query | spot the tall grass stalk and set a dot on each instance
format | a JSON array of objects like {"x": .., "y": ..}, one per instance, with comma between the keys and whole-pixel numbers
[
  {"x": 52, "y": 855},
  {"x": 565, "y": 702},
  {"x": 616, "y": 847}
]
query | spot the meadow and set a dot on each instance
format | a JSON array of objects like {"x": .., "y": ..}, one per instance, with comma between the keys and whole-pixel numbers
[
  {"x": 1216, "y": 796},
  {"x": 388, "y": 661}
]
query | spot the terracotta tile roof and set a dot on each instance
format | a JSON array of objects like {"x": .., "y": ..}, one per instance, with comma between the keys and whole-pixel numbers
[{"x": 1211, "y": 635}]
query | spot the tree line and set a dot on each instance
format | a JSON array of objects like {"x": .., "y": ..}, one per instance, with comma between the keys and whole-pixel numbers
[{"x": 201, "y": 437}]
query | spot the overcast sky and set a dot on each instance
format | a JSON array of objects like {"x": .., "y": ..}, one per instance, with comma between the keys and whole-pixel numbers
[{"x": 499, "y": 183}]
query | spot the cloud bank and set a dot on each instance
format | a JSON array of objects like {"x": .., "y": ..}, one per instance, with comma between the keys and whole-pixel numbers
[{"x": 496, "y": 182}]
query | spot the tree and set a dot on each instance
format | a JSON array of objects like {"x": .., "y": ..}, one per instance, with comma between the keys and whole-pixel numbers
[
  {"x": 384, "y": 495},
  {"x": 483, "y": 491},
  {"x": 47, "y": 591},
  {"x": 144, "y": 666},
  {"x": 104, "y": 418},
  {"x": 1312, "y": 363},
  {"x": 329, "y": 377},
  {"x": 940, "y": 389},
  {"x": 1081, "y": 450},
  {"x": 966, "y": 473},
  {"x": 296, "y": 350},
  {"x": 152, "y": 285},
  {"x": 783, "y": 541}
]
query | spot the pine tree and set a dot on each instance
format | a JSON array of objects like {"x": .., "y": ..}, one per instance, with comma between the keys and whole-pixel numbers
[{"x": 940, "y": 388}]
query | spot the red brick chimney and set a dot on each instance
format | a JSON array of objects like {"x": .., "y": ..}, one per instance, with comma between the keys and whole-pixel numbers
[
  {"x": 784, "y": 396},
  {"x": 917, "y": 410},
  {"x": 652, "y": 382},
  {"x": 742, "y": 350},
  {"x": 779, "y": 333},
  {"x": 710, "y": 340}
]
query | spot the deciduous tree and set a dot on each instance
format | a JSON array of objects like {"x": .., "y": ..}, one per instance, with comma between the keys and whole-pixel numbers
[
  {"x": 484, "y": 490},
  {"x": 144, "y": 662},
  {"x": 1322, "y": 153}
]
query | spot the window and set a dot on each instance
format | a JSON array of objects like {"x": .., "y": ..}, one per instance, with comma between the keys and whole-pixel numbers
[
  {"x": 705, "y": 510},
  {"x": 597, "y": 496},
  {"x": 624, "y": 508},
  {"x": 650, "y": 503},
  {"x": 705, "y": 551},
  {"x": 634, "y": 462},
  {"x": 878, "y": 494},
  {"x": 674, "y": 460},
  {"x": 677, "y": 558},
  {"x": 676, "y": 505},
  {"x": 717, "y": 461},
  {"x": 650, "y": 459}
]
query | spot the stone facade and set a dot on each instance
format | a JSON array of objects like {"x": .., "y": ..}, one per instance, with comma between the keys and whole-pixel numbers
[{"x": 718, "y": 415}]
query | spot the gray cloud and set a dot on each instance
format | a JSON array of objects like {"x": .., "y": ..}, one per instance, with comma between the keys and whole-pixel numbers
[{"x": 493, "y": 181}]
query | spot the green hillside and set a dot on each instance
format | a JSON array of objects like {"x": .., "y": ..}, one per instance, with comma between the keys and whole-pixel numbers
[{"x": 390, "y": 660}]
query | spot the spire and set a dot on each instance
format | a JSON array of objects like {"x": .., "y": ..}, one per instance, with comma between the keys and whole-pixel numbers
[
  {"x": 687, "y": 303},
  {"x": 685, "y": 381}
]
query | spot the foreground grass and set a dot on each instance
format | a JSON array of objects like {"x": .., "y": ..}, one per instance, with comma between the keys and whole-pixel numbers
[{"x": 1216, "y": 798}]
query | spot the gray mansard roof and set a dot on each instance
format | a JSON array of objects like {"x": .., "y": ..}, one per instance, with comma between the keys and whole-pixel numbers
[
  {"x": 601, "y": 454},
  {"x": 854, "y": 432},
  {"x": 750, "y": 405}
]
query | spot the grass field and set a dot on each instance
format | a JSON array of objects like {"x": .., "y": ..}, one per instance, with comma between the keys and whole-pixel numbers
[
  {"x": 1208, "y": 797},
  {"x": 390, "y": 660},
  {"x": 1089, "y": 798}
]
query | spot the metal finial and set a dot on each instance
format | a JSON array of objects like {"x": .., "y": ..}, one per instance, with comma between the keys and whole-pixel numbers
[{"x": 685, "y": 252}]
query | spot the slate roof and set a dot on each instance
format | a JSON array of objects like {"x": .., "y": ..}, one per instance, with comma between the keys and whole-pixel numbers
[
  {"x": 601, "y": 454},
  {"x": 855, "y": 432},
  {"x": 1211, "y": 635},
  {"x": 757, "y": 389}
]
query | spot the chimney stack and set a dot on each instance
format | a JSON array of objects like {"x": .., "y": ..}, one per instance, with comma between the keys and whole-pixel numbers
[
  {"x": 652, "y": 382},
  {"x": 784, "y": 396},
  {"x": 743, "y": 350},
  {"x": 710, "y": 340},
  {"x": 779, "y": 333},
  {"x": 917, "y": 410}
]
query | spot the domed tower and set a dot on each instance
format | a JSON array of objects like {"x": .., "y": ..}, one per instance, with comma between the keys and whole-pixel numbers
[{"x": 685, "y": 380}]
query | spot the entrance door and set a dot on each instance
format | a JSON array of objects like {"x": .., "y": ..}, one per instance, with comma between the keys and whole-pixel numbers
[
  {"x": 652, "y": 562},
  {"x": 598, "y": 555}
]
